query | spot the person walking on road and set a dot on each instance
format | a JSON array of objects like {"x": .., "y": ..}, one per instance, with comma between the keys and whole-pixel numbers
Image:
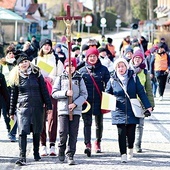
[
  {"x": 123, "y": 80},
  {"x": 93, "y": 69},
  {"x": 69, "y": 129},
  {"x": 7, "y": 63},
  {"x": 160, "y": 67},
  {"x": 3, "y": 92},
  {"x": 55, "y": 66},
  {"x": 28, "y": 95},
  {"x": 137, "y": 64}
]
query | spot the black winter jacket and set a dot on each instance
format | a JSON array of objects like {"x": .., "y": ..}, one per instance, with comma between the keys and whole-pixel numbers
[
  {"x": 27, "y": 100},
  {"x": 101, "y": 76}
]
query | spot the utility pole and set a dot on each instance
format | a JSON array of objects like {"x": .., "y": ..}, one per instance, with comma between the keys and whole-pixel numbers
[{"x": 150, "y": 8}]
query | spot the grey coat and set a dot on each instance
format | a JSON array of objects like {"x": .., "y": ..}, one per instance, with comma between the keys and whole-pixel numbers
[{"x": 60, "y": 88}]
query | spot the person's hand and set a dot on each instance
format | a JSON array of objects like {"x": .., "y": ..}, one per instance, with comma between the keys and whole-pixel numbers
[
  {"x": 12, "y": 117},
  {"x": 69, "y": 93},
  {"x": 49, "y": 111},
  {"x": 71, "y": 106},
  {"x": 150, "y": 109}
]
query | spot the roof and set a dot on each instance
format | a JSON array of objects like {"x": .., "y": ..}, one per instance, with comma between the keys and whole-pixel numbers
[
  {"x": 33, "y": 8},
  {"x": 31, "y": 18},
  {"x": 10, "y": 4},
  {"x": 6, "y": 14}
]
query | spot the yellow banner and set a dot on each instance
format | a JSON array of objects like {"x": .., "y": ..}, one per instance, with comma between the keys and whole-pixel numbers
[{"x": 45, "y": 67}]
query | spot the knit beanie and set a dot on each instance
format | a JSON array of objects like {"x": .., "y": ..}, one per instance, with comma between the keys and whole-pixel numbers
[
  {"x": 73, "y": 62},
  {"x": 63, "y": 39},
  {"x": 102, "y": 50},
  {"x": 84, "y": 47},
  {"x": 21, "y": 56},
  {"x": 138, "y": 53},
  {"x": 120, "y": 60},
  {"x": 45, "y": 41},
  {"x": 92, "y": 51},
  {"x": 10, "y": 49},
  {"x": 128, "y": 49}
]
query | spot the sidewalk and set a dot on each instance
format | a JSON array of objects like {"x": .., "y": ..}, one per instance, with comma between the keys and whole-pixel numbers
[{"x": 155, "y": 155}]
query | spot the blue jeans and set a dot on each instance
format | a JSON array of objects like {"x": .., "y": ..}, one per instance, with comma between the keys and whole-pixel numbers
[{"x": 154, "y": 85}]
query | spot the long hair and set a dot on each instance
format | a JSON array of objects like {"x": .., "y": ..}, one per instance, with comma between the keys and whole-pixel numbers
[
  {"x": 14, "y": 74},
  {"x": 41, "y": 52}
]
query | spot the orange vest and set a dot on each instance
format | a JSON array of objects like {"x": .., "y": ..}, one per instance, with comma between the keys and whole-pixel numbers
[
  {"x": 111, "y": 48},
  {"x": 161, "y": 62},
  {"x": 125, "y": 44}
]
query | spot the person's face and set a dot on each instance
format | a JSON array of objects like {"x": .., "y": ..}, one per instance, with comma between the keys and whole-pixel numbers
[
  {"x": 23, "y": 65},
  {"x": 92, "y": 59},
  {"x": 10, "y": 55},
  {"x": 160, "y": 50},
  {"x": 103, "y": 54},
  {"x": 121, "y": 68},
  {"x": 77, "y": 52},
  {"x": 58, "y": 49},
  {"x": 129, "y": 55},
  {"x": 72, "y": 69},
  {"x": 46, "y": 48},
  {"x": 137, "y": 60}
]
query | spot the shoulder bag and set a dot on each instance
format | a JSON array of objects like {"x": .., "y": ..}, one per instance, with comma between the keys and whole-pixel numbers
[
  {"x": 97, "y": 88},
  {"x": 135, "y": 104}
]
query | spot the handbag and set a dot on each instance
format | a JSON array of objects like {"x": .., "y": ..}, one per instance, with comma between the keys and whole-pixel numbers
[
  {"x": 104, "y": 111},
  {"x": 135, "y": 104}
]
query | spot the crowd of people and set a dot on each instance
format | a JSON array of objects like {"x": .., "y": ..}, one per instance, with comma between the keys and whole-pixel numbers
[{"x": 45, "y": 91}]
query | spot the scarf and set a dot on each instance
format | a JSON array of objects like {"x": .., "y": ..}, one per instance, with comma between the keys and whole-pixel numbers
[
  {"x": 10, "y": 60},
  {"x": 26, "y": 73},
  {"x": 123, "y": 78}
]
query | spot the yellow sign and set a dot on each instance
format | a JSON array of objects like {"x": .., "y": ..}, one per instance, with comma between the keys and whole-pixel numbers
[
  {"x": 12, "y": 122},
  {"x": 108, "y": 101},
  {"x": 45, "y": 67}
]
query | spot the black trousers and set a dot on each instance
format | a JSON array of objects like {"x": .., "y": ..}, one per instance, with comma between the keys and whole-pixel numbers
[
  {"x": 87, "y": 119},
  {"x": 161, "y": 84},
  {"x": 23, "y": 144},
  {"x": 68, "y": 130},
  {"x": 126, "y": 136}
]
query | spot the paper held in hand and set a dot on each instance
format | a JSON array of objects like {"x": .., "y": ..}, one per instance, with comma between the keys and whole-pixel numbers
[
  {"x": 108, "y": 101},
  {"x": 12, "y": 122}
]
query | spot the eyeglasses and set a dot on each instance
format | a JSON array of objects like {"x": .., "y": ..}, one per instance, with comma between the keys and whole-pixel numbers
[{"x": 92, "y": 56}]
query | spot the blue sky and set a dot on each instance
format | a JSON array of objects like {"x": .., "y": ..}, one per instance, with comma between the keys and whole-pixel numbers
[{"x": 87, "y": 3}]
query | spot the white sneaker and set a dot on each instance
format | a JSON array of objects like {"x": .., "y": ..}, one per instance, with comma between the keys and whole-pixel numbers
[
  {"x": 160, "y": 98},
  {"x": 124, "y": 158},
  {"x": 52, "y": 151},
  {"x": 130, "y": 153},
  {"x": 43, "y": 151}
]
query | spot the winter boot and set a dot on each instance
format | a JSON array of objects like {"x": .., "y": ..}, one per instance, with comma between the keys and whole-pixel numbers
[
  {"x": 88, "y": 150},
  {"x": 22, "y": 146},
  {"x": 36, "y": 144},
  {"x": 97, "y": 147}
]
